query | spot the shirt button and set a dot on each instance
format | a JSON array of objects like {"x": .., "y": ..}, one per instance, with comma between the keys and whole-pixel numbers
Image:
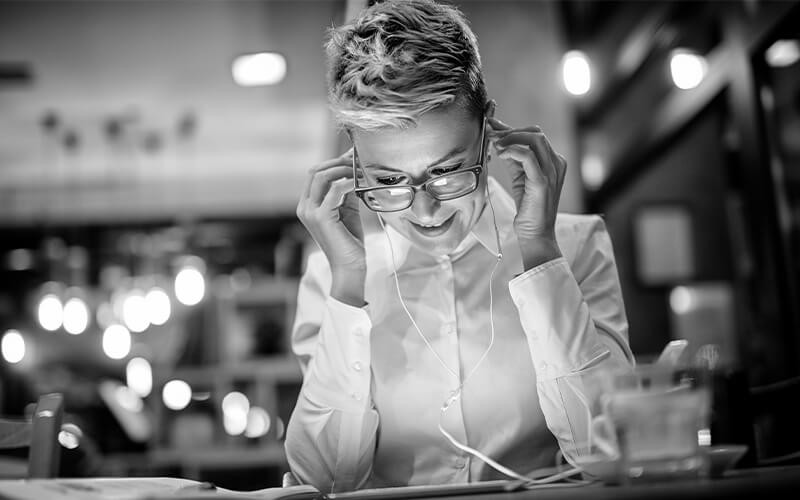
[
  {"x": 460, "y": 463},
  {"x": 357, "y": 366},
  {"x": 356, "y": 396},
  {"x": 358, "y": 332}
]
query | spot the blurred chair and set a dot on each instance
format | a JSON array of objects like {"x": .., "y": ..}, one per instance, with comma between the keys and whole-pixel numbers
[
  {"x": 39, "y": 435},
  {"x": 775, "y": 417}
]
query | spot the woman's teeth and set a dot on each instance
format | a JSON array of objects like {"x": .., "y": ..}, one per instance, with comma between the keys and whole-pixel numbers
[{"x": 434, "y": 229}]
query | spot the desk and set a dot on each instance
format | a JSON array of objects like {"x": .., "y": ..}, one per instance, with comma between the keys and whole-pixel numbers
[
  {"x": 778, "y": 483},
  {"x": 774, "y": 483}
]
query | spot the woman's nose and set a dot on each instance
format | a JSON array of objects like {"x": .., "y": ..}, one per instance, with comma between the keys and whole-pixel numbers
[{"x": 425, "y": 206}]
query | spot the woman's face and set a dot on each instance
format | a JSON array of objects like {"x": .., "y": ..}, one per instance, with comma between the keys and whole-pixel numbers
[{"x": 442, "y": 141}]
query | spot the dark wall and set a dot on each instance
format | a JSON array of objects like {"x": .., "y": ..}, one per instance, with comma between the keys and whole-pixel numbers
[{"x": 689, "y": 172}]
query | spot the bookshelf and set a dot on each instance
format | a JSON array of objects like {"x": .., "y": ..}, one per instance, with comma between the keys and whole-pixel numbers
[{"x": 246, "y": 332}]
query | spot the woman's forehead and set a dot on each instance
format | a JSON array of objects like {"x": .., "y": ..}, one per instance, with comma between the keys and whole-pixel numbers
[{"x": 439, "y": 137}]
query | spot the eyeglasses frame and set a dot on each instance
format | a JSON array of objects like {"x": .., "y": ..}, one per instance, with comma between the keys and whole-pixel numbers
[{"x": 477, "y": 169}]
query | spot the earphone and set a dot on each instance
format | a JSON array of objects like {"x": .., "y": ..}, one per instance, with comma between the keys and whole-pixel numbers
[{"x": 525, "y": 481}]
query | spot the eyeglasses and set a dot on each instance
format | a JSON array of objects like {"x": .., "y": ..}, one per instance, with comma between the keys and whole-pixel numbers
[{"x": 448, "y": 186}]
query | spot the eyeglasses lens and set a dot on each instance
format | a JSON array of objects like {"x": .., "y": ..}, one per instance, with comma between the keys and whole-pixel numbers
[{"x": 448, "y": 187}]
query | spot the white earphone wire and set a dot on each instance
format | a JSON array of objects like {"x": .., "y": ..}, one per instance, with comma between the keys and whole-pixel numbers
[{"x": 456, "y": 394}]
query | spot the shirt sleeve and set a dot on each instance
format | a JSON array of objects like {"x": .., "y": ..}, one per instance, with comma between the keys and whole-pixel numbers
[
  {"x": 575, "y": 322},
  {"x": 330, "y": 439}
]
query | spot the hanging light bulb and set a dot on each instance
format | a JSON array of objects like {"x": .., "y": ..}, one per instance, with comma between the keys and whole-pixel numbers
[
  {"x": 264, "y": 68},
  {"x": 235, "y": 407},
  {"x": 134, "y": 311},
  {"x": 687, "y": 69},
  {"x": 158, "y": 306},
  {"x": 176, "y": 394},
  {"x": 76, "y": 312},
  {"x": 576, "y": 72},
  {"x": 116, "y": 341},
  {"x": 139, "y": 376},
  {"x": 13, "y": 346},
  {"x": 190, "y": 285},
  {"x": 50, "y": 312},
  {"x": 258, "y": 422}
]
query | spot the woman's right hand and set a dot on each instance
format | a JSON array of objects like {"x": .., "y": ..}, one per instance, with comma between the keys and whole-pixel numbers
[{"x": 328, "y": 208}]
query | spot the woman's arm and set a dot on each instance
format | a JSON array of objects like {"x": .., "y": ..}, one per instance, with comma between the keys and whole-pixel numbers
[
  {"x": 574, "y": 318},
  {"x": 330, "y": 440}
]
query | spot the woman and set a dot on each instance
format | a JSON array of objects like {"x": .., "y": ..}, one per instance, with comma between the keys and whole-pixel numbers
[{"x": 447, "y": 329}]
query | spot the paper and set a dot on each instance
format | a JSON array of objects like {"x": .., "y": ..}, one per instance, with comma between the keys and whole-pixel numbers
[{"x": 151, "y": 488}]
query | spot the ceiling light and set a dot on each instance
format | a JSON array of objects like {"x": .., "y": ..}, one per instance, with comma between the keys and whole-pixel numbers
[
  {"x": 13, "y": 346},
  {"x": 190, "y": 286},
  {"x": 50, "y": 312},
  {"x": 783, "y": 53},
  {"x": 76, "y": 316},
  {"x": 265, "y": 68},
  {"x": 116, "y": 341},
  {"x": 139, "y": 376},
  {"x": 576, "y": 73},
  {"x": 176, "y": 394},
  {"x": 687, "y": 69}
]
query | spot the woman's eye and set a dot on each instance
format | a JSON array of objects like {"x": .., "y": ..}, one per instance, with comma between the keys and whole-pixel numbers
[
  {"x": 443, "y": 170},
  {"x": 391, "y": 180}
]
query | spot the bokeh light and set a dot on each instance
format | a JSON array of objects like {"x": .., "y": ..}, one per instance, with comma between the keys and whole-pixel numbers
[
  {"x": 13, "y": 346},
  {"x": 264, "y": 68},
  {"x": 235, "y": 407},
  {"x": 190, "y": 286},
  {"x": 576, "y": 72},
  {"x": 139, "y": 376},
  {"x": 158, "y": 306},
  {"x": 176, "y": 394},
  {"x": 687, "y": 69},
  {"x": 258, "y": 422},
  {"x": 76, "y": 316},
  {"x": 50, "y": 312},
  {"x": 134, "y": 311},
  {"x": 116, "y": 341}
]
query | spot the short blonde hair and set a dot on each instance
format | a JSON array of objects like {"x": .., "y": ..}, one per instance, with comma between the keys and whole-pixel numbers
[{"x": 400, "y": 59}]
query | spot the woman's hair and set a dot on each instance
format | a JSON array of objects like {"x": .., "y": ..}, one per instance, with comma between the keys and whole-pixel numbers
[{"x": 400, "y": 59}]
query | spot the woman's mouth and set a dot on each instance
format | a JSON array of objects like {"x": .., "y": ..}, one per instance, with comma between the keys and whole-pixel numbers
[{"x": 433, "y": 230}]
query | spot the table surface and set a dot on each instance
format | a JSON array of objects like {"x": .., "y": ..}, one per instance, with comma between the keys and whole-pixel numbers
[{"x": 775, "y": 482}]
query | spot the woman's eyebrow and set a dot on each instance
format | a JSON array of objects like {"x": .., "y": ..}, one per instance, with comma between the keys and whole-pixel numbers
[{"x": 447, "y": 156}]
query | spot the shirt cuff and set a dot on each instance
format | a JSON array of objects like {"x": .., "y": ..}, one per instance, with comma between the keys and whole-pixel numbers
[
  {"x": 340, "y": 374},
  {"x": 556, "y": 320}
]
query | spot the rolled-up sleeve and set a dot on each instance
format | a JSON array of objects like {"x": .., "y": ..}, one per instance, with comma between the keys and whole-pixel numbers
[
  {"x": 574, "y": 319},
  {"x": 330, "y": 440}
]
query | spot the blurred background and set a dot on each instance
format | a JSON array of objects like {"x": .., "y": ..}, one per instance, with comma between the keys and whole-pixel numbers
[{"x": 152, "y": 154}]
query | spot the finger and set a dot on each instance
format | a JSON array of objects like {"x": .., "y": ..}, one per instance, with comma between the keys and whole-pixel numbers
[
  {"x": 490, "y": 108},
  {"x": 530, "y": 164},
  {"x": 321, "y": 183},
  {"x": 497, "y": 124},
  {"x": 555, "y": 163},
  {"x": 538, "y": 144},
  {"x": 524, "y": 136},
  {"x": 345, "y": 159},
  {"x": 334, "y": 198}
]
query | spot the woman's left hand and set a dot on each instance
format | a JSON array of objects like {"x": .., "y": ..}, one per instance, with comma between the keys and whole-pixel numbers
[{"x": 537, "y": 176}]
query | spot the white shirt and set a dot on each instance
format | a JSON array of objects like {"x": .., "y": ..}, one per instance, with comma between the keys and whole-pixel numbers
[{"x": 370, "y": 404}]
